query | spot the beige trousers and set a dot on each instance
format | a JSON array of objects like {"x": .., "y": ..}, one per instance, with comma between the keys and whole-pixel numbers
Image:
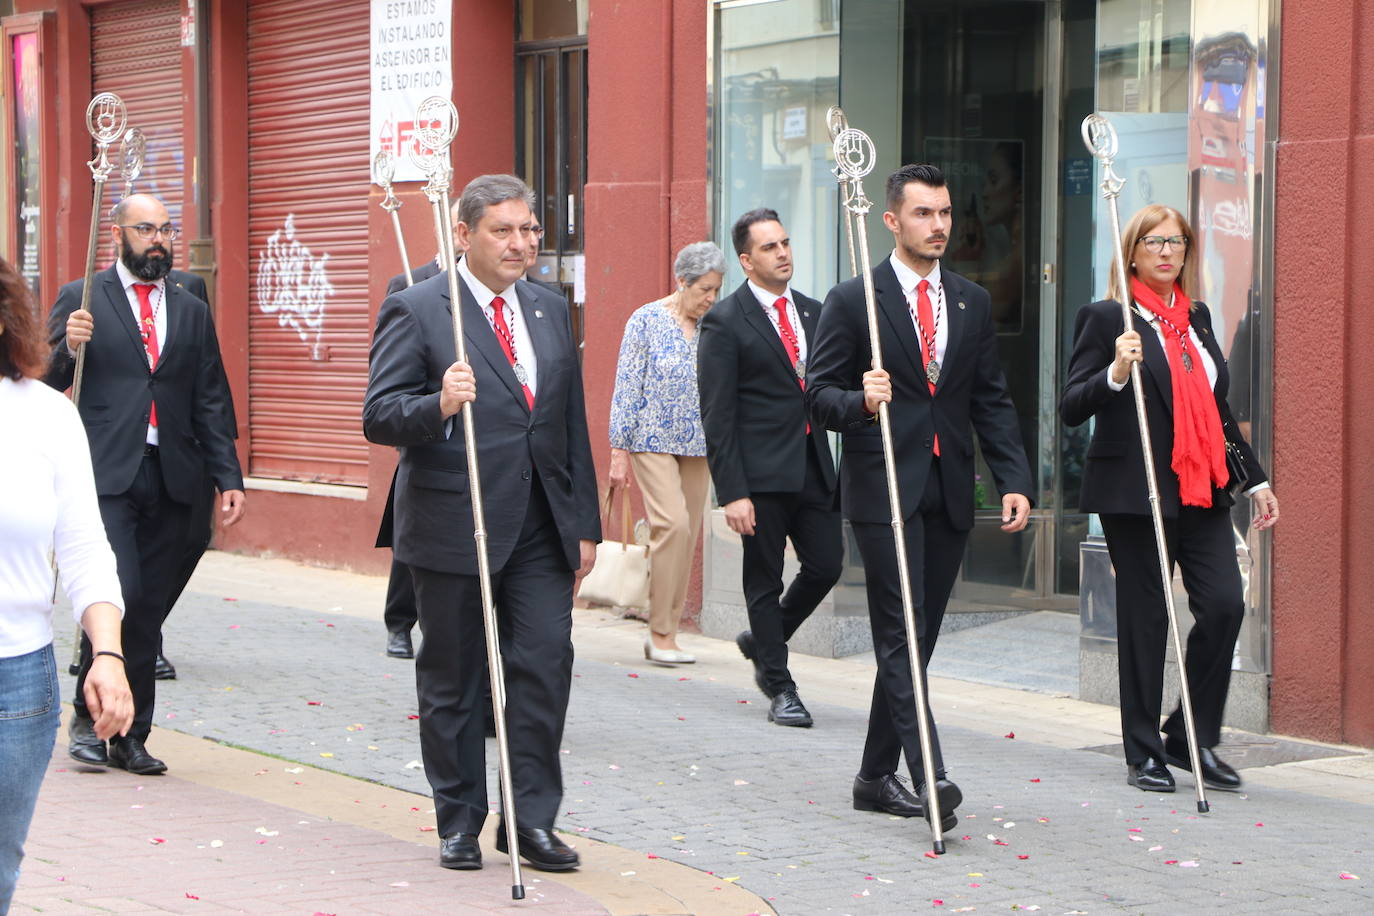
[{"x": 674, "y": 488}]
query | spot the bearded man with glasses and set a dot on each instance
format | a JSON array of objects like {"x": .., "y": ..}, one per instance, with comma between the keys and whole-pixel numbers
[{"x": 154, "y": 405}]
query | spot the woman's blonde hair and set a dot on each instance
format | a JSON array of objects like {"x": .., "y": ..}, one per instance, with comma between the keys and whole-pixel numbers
[{"x": 1145, "y": 219}]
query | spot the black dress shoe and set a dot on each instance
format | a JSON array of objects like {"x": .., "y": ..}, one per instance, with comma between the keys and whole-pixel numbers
[
  {"x": 747, "y": 648},
  {"x": 398, "y": 644},
  {"x": 787, "y": 709},
  {"x": 460, "y": 852},
  {"x": 1216, "y": 773},
  {"x": 886, "y": 793},
  {"x": 1151, "y": 775},
  {"x": 130, "y": 754},
  {"x": 540, "y": 847},
  {"x": 163, "y": 670},
  {"x": 950, "y": 797},
  {"x": 82, "y": 744}
]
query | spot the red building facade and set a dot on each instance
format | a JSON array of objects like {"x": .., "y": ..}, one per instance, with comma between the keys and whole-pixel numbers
[{"x": 260, "y": 110}]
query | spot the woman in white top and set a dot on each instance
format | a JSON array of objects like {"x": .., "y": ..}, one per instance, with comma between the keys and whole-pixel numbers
[{"x": 47, "y": 507}]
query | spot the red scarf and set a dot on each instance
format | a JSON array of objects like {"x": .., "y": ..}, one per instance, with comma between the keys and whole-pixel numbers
[{"x": 1199, "y": 457}]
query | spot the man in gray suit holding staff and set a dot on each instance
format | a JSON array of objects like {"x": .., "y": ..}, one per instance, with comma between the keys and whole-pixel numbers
[{"x": 541, "y": 513}]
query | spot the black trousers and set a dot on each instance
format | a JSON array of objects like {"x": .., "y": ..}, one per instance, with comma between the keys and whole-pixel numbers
[
  {"x": 1202, "y": 543},
  {"x": 934, "y": 550},
  {"x": 817, "y": 536},
  {"x": 399, "y": 613},
  {"x": 147, "y": 530},
  {"x": 533, "y": 597},
  {"x": 200, "y": 528}
]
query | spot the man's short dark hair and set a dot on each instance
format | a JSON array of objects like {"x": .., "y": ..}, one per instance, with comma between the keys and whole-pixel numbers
[
  {"x": 925, "y": 174},
  {"x": 739, "y": 234}
]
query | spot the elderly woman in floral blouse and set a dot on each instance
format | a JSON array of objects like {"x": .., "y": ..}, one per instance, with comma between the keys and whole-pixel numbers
[{"x": 656, "y": 427}]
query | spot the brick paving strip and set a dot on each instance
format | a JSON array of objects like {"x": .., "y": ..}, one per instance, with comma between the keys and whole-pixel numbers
[
  {"x": 680, "y": 765},
  {"x": 235, "y": 831}
]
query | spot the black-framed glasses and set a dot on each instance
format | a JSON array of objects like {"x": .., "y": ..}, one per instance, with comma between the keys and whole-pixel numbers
[
  {"x": 1155, "y": 243},
  {"x": 146, "y": 231}
]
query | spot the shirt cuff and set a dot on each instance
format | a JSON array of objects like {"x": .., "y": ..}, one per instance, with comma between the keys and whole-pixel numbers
[
  {"x": 1111, "y": 382},
  {"x": 1262, "y": 485}
]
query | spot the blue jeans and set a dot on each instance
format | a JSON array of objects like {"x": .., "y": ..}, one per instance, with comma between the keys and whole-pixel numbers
[{"x": 29, "y": 713}]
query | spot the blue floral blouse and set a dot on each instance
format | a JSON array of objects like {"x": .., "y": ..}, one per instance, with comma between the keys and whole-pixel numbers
[{"x": 655, "y": 407}]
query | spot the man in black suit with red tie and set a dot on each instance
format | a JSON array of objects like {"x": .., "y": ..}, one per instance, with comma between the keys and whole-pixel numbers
[
  {"x": 943, "y": 382},
  {"x": 152, "y": 402},
  {"x": 524, "y": 382},
  {"x": 772, "y": 470}
]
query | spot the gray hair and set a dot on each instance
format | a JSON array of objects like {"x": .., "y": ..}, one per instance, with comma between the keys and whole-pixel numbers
[
  {"x": 697, "y": 260},
  {"x": 488, "y": 191}
]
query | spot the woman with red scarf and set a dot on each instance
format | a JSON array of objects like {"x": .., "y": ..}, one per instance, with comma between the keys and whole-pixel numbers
[{"x": 1185, "y": 382}]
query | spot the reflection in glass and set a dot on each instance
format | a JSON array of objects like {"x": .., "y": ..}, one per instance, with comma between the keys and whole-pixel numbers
[{"x": 778, "y": 74}]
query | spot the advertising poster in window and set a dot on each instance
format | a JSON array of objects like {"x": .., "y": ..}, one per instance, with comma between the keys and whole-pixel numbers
[
  {"x": 987, "y": 242},
  {"x": 26, "y": 156}
]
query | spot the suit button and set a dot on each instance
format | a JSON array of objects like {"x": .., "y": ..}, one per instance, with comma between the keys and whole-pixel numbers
[
  {"x": 524, "y": 475},
  {"x": 927, "y": 443}
]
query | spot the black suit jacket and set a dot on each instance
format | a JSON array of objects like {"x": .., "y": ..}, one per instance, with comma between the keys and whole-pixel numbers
[
  {"x": 423, "y": 272},
  {"x": 411, "y": 350},
  {"x": 1114, "y": 474},
  {"x": 753, "y": 410},
  {"x": 970, "y": 397},
  {"x": 194, "y": 437}
]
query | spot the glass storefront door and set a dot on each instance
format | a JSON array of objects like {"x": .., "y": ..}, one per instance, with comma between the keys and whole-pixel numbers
[{"x": 972, "y": 100}]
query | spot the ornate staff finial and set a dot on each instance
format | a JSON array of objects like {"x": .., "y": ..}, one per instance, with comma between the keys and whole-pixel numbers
[{"x": 105, "y": 119}]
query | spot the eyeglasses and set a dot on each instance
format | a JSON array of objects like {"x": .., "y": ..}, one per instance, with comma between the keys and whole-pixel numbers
[
  {"x": 1155, "y": 243},
  {"x": 147, "y": 230}
]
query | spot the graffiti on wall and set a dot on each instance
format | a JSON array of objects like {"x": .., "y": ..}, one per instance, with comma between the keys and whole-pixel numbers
[{"x": 293, "y": 284}]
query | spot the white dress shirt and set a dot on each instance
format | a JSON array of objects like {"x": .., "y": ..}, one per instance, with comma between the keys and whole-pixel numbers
[
  {"x": 909, "y": 280},
  {"x": 515, "y": 320},
  {"x": 47, "y": 504},
  {"x": 769, "y": 303},
  {"x": 157, "y": 298}
]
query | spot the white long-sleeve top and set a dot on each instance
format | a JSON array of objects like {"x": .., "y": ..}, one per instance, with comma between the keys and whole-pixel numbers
[{"x": 47, "y": 503}]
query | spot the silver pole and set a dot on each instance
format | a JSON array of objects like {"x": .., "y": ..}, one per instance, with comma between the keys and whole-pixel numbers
[
  {"x": 836, "y": 123},
  {"x": 855, "y": 158},
  {"x": 1100, "y": 138},
  {"x": 105, "y": 119},
  {"x": 436, "y": 123},
  {"x": 384, "y": 167}
]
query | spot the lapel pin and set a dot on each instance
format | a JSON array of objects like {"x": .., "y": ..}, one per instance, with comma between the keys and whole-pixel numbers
[
  {"x": 807, "y": 314},
  {"x": 961, "y": 305},
  {"x": 538, "y": 313}
]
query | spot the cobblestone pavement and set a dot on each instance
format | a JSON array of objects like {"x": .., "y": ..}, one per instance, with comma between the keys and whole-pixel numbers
[{"x": 681, "y": 764}]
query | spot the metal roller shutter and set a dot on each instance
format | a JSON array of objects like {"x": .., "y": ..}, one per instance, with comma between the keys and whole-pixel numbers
[
  {"x": 308, "y": 335},
  {"x": 136, "y": 54}
]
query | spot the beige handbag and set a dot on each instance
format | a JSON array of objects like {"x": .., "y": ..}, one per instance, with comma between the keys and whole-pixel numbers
[{"x": 620, "y": 577}]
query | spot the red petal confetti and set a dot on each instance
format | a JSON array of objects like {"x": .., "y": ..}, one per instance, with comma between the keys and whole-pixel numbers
[
  {"x": 1257, "y": 824},
  {"x": 743, "y": 702},
  {"x": 156, "y": 840},
  {"x": 1009, "y": 735},
  {"x": 1033, "y": 780},
  {"x": 998, "y": 842},
  {"x": 231, "y": 599},
  {"x": 413, "y": 716},
  {"x": 429, "y": 828},
  {"x": 1019, "y": 857},
  {"x": 652, "y": 856},
  {"x": 1166, "y": 861},
  {"x": 1347, "y": 876},
  {"x": 635, "y": 675},
  {"x": 191, "y": 896},
  {"x": 318, "y": 703},
  {"x": 937, "y": 902},
  {"x": 931, "y": 855}
]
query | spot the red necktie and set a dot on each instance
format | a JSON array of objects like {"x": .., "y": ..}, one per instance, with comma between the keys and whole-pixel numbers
[
  {"x": 507, "y": 339},
  {"x": 147, "y": 325},
  {"x": 789, "y": 341},
  {"x": 927, "y": 316}
]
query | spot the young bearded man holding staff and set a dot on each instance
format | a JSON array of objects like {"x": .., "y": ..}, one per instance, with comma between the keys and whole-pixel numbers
[
  {"x": 943, "y": 383},
  {"x": 539, "y": 489}
]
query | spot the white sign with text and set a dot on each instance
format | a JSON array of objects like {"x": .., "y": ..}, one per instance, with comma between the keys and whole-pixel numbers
[{"x": 411, "y": 60}]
